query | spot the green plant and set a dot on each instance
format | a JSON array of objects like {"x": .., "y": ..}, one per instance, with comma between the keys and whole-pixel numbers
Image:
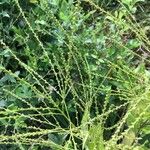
[{"x": 73, "y": 75}]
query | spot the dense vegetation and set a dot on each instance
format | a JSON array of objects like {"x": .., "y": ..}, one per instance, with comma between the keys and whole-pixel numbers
[{"x": 74, "y": 75}]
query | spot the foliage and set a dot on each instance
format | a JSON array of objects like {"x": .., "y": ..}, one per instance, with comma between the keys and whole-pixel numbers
[{"x": 74, "y": 75}]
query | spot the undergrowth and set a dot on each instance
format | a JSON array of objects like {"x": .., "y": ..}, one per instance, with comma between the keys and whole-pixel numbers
[{"x": 74, "y": 75}]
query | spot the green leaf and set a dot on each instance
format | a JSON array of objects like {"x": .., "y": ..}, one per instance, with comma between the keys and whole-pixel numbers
[
  {"x": 5, "y": 53},
  {"x": 57, "y": 138},
  {"x": 2, "y": 103},
  {"x": 95, "y": 139},
  {"x": 34, "y": 1},
  {"x": 41, "y": 22},
  {"x": 5, "y": 14},
  {"x": 23, "y": 91},
  {"x": 131, "y": 2},
  {"x": 63, "y": 16},
  {"x": 8, "y": 77},
  {"x": 64, "y": 11},
  {"x": 20, "y": 122},
  {"x": 146, "y": 129}
]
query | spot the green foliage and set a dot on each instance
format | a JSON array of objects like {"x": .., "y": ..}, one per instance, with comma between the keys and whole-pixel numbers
[{"x": 74, "y": 75}]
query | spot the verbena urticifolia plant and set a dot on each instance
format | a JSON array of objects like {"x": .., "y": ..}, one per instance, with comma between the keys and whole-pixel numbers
[{"x": 74, "y": 75}]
